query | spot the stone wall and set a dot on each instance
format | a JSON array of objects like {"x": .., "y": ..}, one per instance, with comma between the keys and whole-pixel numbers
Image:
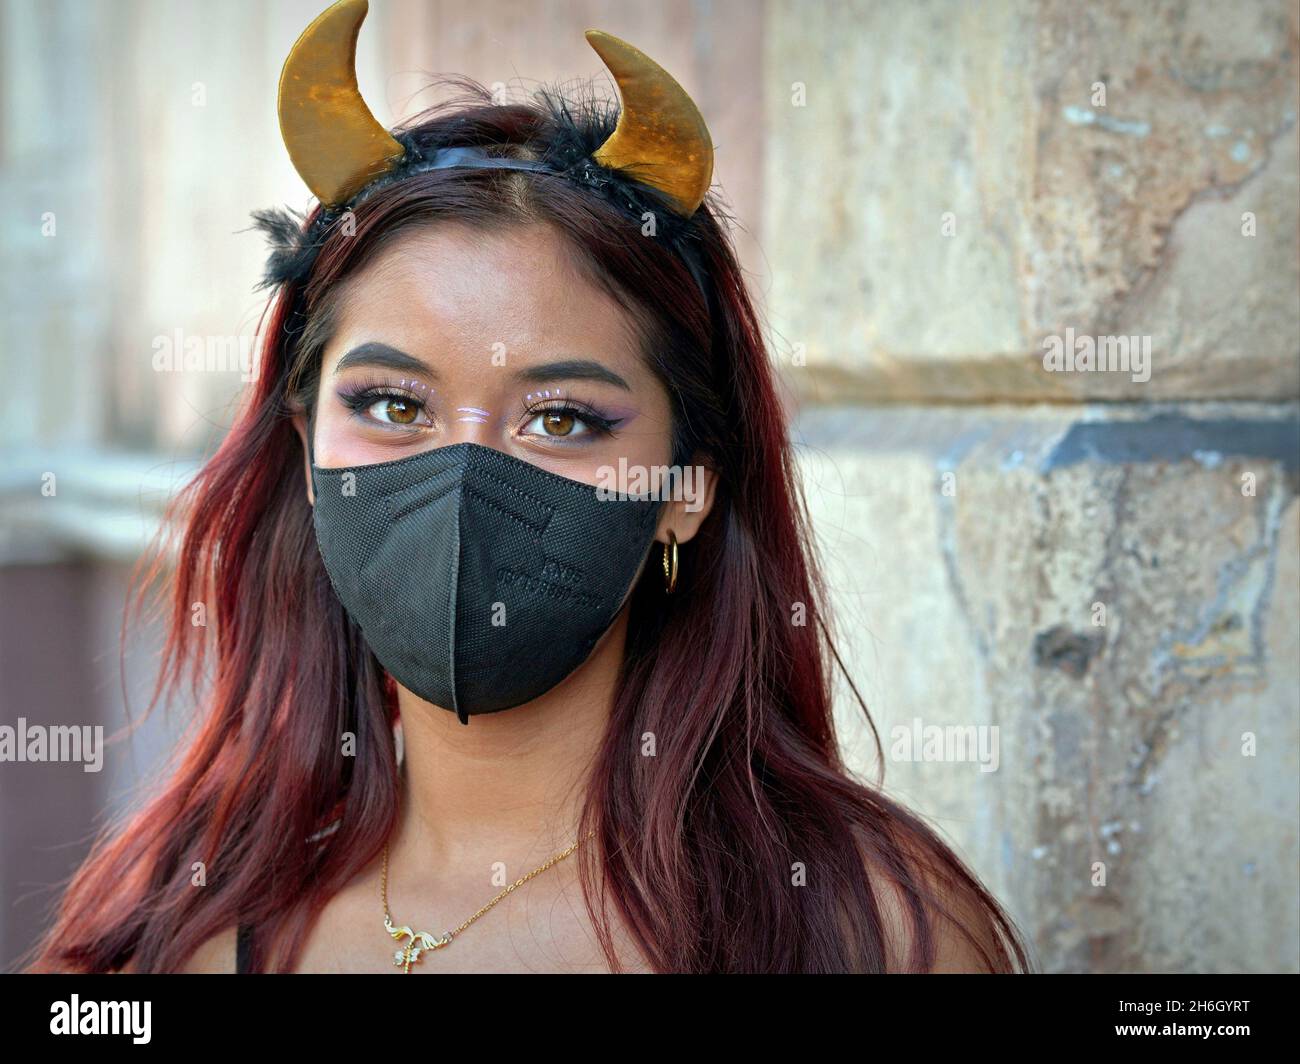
[{"x": 1100, "y": 563}]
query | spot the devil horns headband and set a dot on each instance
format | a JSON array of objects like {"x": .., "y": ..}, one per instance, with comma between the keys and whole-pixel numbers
[{"x": 339, "y": 148}]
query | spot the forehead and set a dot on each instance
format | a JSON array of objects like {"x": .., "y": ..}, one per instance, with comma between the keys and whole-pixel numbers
[{"x": 451, "y": 285}]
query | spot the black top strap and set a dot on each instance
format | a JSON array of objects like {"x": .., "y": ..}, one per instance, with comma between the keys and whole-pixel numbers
[{"x": 243, "y": 950}]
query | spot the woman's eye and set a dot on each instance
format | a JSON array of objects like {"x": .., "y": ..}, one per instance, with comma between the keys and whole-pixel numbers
[
  {"x": 395, "y": 410},
  {"x": 558, "y": 423}
]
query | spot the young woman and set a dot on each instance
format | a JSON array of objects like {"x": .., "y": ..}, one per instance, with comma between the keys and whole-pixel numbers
[{"x": 469, "y": 710}]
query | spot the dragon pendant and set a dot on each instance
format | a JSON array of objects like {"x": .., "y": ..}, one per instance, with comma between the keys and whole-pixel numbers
[{"x": 417, "y": 942}]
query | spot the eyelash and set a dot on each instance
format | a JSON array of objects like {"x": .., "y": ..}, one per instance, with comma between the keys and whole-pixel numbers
[
  {"x": 584, "y": 412},
  {"x": 360, "y": 397}
]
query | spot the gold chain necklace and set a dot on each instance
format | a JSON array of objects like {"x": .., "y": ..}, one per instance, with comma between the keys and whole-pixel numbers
[{"x": 420, "y": 941}]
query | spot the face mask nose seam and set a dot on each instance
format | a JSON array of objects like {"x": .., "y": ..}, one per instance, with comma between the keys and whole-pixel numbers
[
  {"x": 422, "y": 500},
  {"x": 453, "y": 598},
  {"x": 467, "y": 489},
  {"x": 484, "y": 455}
]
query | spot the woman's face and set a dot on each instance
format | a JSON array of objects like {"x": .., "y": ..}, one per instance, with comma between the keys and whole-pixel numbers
[{"x": 455, "y": 335}]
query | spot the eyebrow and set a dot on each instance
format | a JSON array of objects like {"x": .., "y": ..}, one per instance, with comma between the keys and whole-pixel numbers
[
  {"x": 579, "y": 369},
  {"x": 386, "y": 357}
]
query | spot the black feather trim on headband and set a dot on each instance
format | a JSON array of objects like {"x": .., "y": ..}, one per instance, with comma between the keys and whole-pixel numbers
[{"x": 293, "y": 245}]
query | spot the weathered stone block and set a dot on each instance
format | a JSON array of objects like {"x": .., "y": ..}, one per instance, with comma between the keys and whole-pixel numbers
[
  {"x": 1117, "y": 593},
  {"x": 947, "y": 189}
]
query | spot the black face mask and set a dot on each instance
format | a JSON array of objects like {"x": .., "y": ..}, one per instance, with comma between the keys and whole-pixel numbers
[{"x": 479, "y": 580}]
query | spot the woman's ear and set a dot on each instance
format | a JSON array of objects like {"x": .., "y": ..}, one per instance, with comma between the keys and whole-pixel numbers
[
  {"x": 689, "y": 504},
  {"x": 300, "y": 424}
]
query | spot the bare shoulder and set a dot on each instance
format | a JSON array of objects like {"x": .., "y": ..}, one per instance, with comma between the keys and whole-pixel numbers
[
  {"x": 964, "y": 928},
  {"x": 215, "y": 956}
]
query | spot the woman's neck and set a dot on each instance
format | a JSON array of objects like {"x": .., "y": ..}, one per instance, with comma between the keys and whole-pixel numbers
[{"x": 508, "y": 786}]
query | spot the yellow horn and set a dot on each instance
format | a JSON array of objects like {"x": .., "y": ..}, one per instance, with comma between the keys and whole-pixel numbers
[
  {"x": 661, "y": 138},
  {"x": 336, "y": 144}
]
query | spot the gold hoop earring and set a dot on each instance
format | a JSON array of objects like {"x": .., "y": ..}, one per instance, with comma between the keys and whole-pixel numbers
[{"x": 670, "y": 571}]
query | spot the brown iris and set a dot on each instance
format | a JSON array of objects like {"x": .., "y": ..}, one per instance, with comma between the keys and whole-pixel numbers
[
  {"x": 558, "y": 424},
  {"x": 400, "y": 411}
]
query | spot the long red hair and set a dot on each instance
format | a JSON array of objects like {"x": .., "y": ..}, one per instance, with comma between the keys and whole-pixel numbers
[{"x": 695, "y": 846}]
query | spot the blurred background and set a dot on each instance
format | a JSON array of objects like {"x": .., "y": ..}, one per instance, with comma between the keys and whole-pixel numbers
[{"x": 1102, "y": 564}]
